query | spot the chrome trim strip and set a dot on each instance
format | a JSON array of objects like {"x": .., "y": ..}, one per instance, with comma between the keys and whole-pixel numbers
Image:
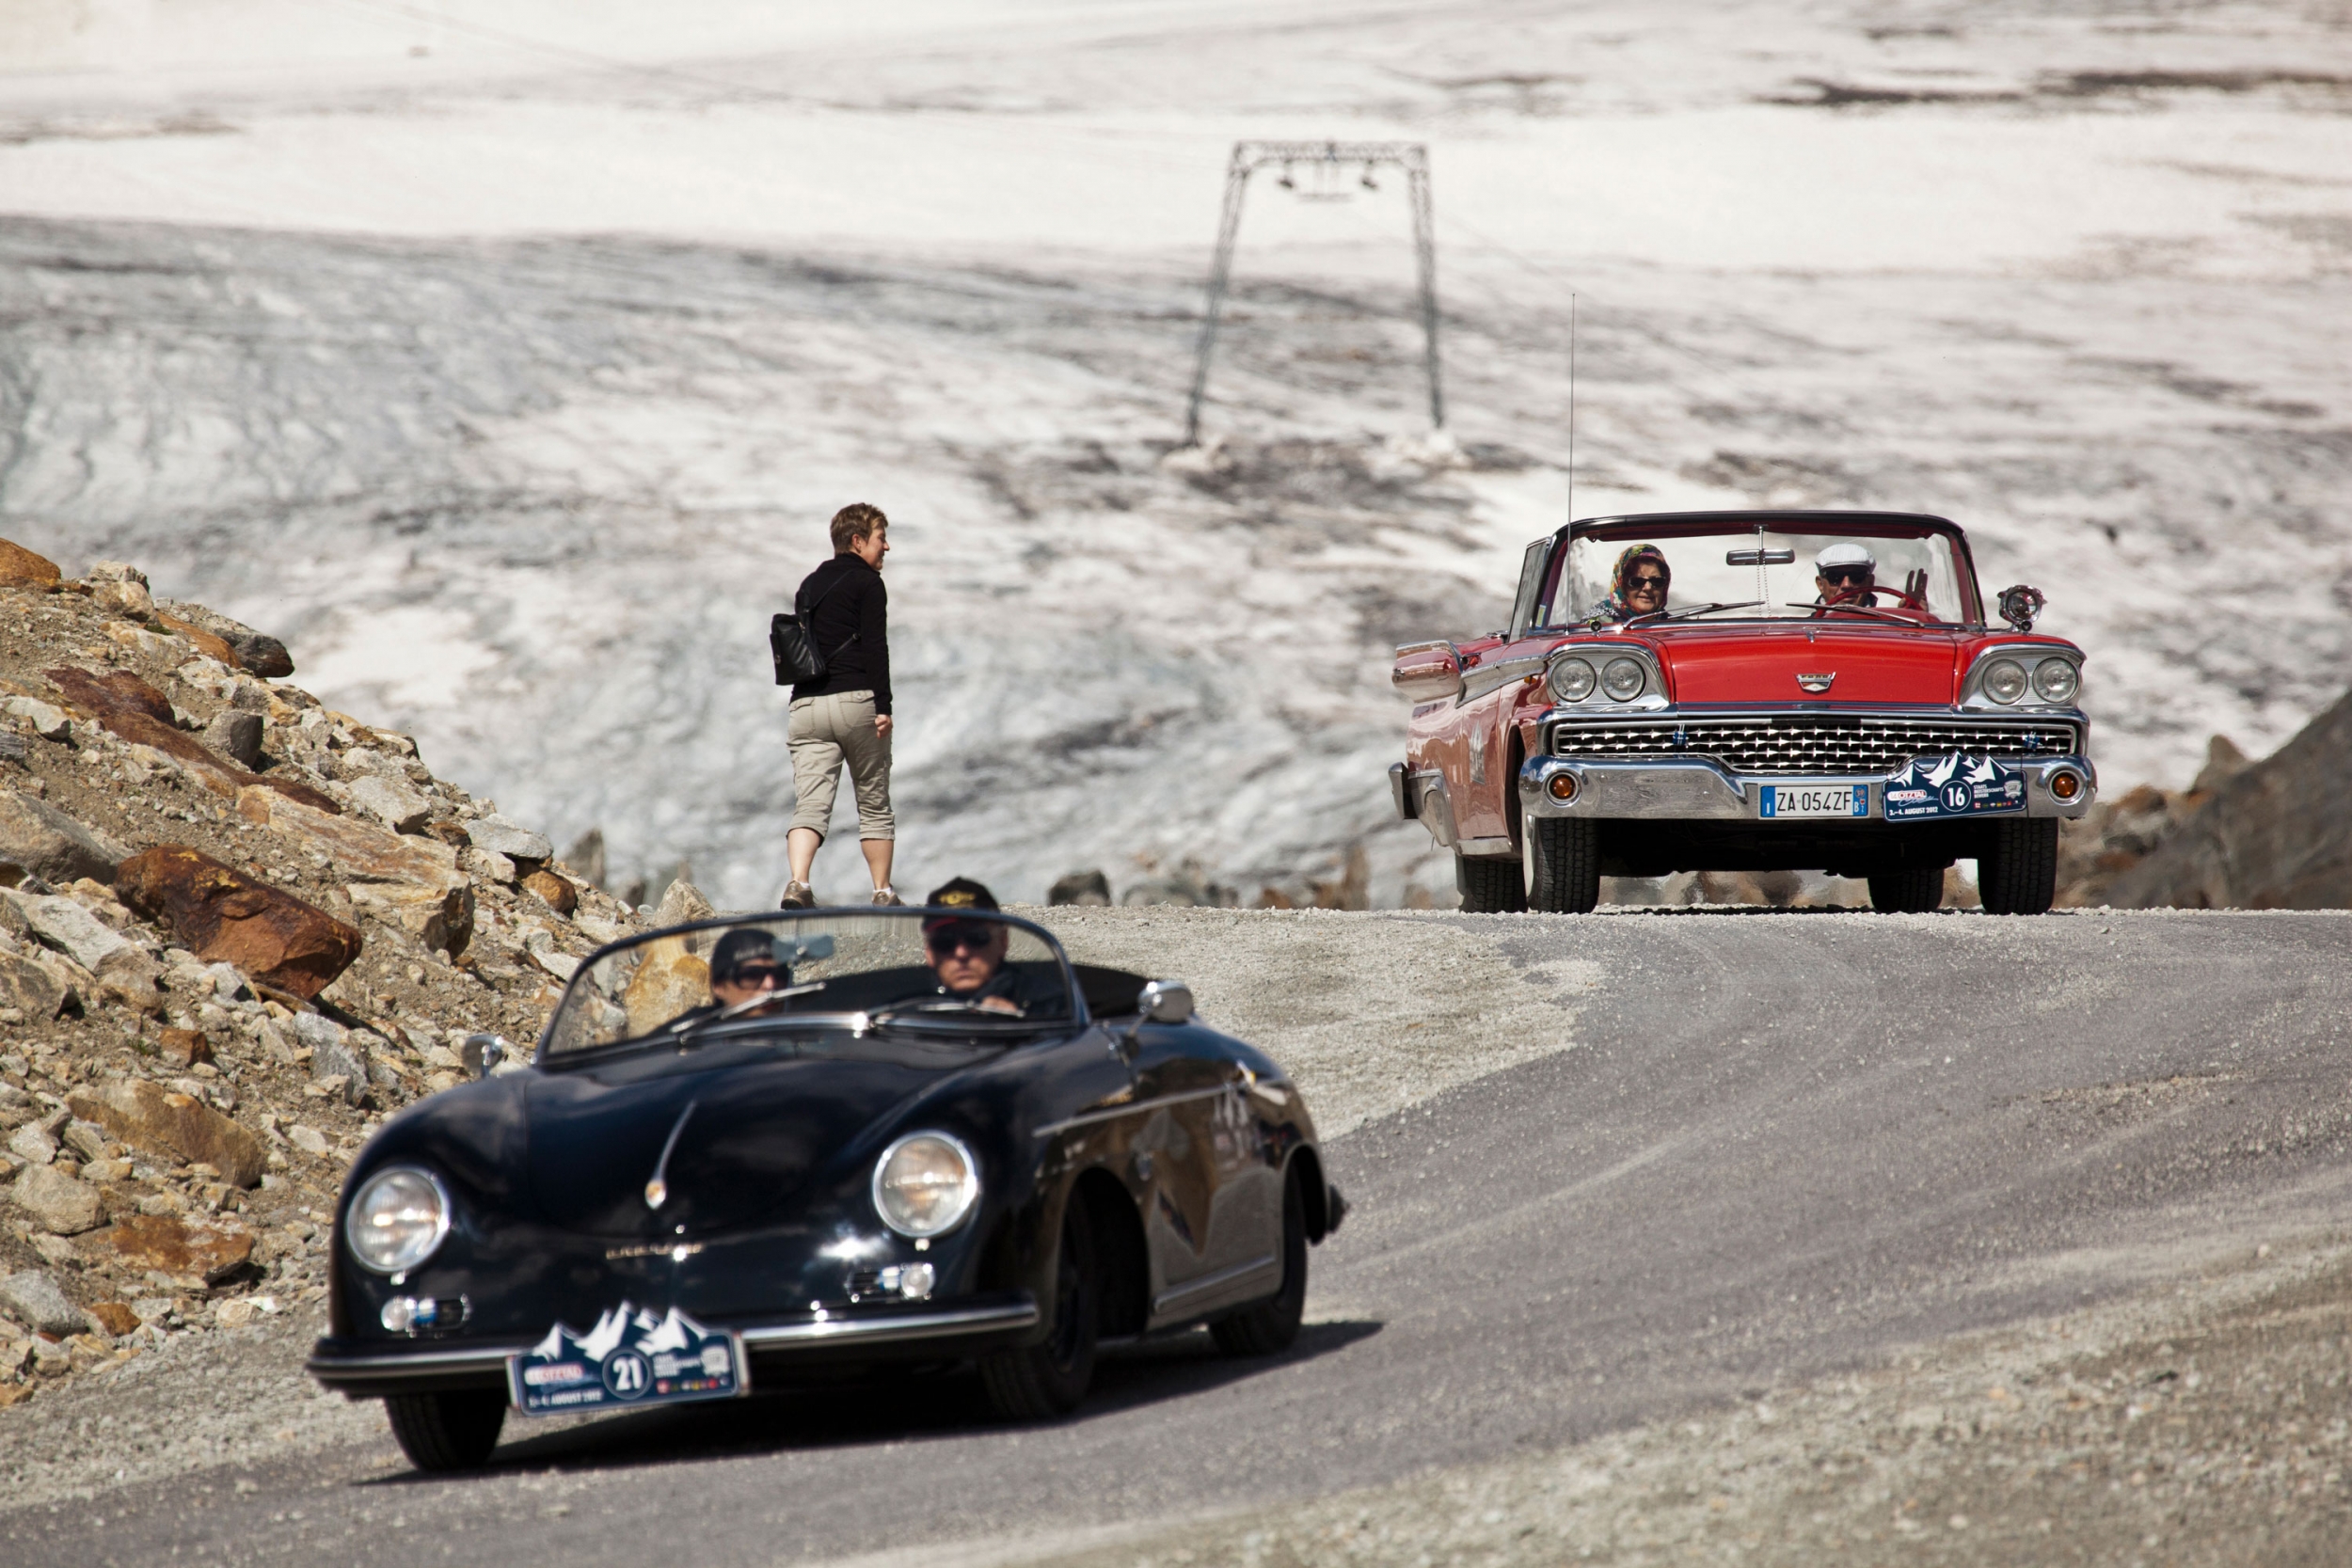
[
  {"x": 875, "y": 1331},
  {"x": 1206, "y": 1283},
  {"x": 1479, "y": 679},
  {"x": 1492, "y": 847},
  {"x": 1089, "y": 1117},
  {"x": 483, "y": 1358}
]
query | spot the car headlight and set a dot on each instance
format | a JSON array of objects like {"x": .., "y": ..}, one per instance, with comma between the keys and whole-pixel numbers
[
  {"x": 2056, "y": 679},
  {"x": 1572, "y": 680},
  {"x": 1623, "y": 679},
  {"x": 398, "y": 1220},
  {"x": 925, "y": 1185},
  {"x": 2003, "y": 680}
]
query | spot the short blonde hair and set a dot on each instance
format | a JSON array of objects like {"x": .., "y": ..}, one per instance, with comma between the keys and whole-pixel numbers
[{"x": 855, "y": 523}]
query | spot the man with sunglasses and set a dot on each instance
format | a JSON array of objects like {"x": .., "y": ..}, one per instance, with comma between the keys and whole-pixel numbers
[
  {"x": 967, "y": 953},
  {"x": 1846, "y": 573}
]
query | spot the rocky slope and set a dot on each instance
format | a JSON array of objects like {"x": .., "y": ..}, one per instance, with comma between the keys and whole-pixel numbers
[{"x": 237, "y": 929}]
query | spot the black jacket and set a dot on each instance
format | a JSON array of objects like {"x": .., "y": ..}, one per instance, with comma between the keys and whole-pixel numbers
[{"x": 850, "y": 628}]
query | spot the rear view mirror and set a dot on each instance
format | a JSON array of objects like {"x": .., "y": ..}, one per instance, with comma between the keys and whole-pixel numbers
[
  {"x": 1166, "y": 1002},
  {"x": 1759, "y": 557},
  {"x": 793, "y": 951}
]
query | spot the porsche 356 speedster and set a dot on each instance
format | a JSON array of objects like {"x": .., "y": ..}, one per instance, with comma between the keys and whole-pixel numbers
[{"x": 779, "y": 1151}]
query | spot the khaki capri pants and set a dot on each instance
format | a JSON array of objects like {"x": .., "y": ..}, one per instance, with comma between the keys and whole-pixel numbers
[{"x": 826, "y": 732}]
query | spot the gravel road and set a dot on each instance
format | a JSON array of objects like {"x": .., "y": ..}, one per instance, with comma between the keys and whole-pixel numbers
[{"x": 1620, "y": 1178}]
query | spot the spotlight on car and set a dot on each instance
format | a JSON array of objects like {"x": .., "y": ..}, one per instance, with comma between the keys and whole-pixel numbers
[
  {"x": 925, "y": 1185},
  {"x": 399, "y": 1220},
  {"x": 1571, "y": 680},
  {"x": 1623, "y": 679},
  {"x": 2003, "y": 680},
  {"x": 2055, "y": 680},
  {"x": 1563, "y": 787}
]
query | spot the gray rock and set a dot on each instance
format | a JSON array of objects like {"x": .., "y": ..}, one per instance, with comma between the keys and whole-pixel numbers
[
  {"x": 682, "y": 901},
  {"x": 511, "y": 839},
  {"x": 49, "y": 722},
  {"x": 65, "y": 924},
  {"x": 16, "y": 749},
  {"x": 397, "y": 806},
  {"x": 86, "y": 1138},
  {"x": 32, "y": 1144},
  {"x": 57, "y": 1201},
  {"x": 1080, "y": 887},
  {"x": 334, "y": 1054},
  {"x": 39, "y": 840},
  {"x": 485, "y": 865},
  {"x": 34, "y": 1298},
  {"x": 237, "y": 736},
  {"x": 28, "y": 986},
  {"x": 113, "y": 571}
]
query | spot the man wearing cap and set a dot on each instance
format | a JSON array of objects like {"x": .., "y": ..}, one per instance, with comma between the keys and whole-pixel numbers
[
  {"x": 968, "y": 954},
  {"x": 1846, "y": 573}
]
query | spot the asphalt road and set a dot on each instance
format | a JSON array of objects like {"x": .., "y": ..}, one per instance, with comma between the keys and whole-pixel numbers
[{"x": 1786, "y": 1143}]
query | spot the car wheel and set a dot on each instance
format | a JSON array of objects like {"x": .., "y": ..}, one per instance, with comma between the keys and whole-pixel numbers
[
  {"x": 446, "y": 1431},
  {"x": 1564, "y": 865},
  {"x": 1273, "y": 1324},
  {"x": 1490, "y": 884},
  {"x": 1908, "y": 891},
  {"x": 2020, "y": 875},
  {"x": 1039, "y": 1381}
]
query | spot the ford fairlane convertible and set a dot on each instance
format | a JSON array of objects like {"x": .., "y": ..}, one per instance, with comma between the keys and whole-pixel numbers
[
  {"x": 1749, "y": 692},
  {"x": 775, "y": 1151}
]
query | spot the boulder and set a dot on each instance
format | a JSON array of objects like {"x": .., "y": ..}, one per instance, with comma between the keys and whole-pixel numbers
[
  {"x": 511, "y": 839},
  {"x": 396, "y": 805},
  {"x": 33, "y": 1144},
  {"x": 115, "y": 1317},
  {"x": 439, "y": 918},
  {"x": 212, "y": 1249},
  {"x": 31, "y": 989},
  {"x": 33, "y": 1299},
  {"x": 120, "y": 969},
  {"x": 197, "y": 638},
  {"x": 360, "y": 850},
  {"x": 668, "y": 981},
  {"x": 553, "y": 890},
  {"x": 2273, "y": 835},
  {"x": 335, "y": 1056},
  {"x": 57, "y": 1202},
  {"x": 236, "y": 735},
  {"x": 681, "y": 902},
  {"x": 136, "y": 712},
  {"x": 21, "y": 569},
  {"x": 49, "y": 720},
  {"x": 148, "y": 1116},
  {"x": 225, "y": 916},
  {"x": 39, "y": 840},
  {"x": 183, "y": 1047},
  {"x": 260, "y": 654},
  {"x": 1080, "y": 887}
]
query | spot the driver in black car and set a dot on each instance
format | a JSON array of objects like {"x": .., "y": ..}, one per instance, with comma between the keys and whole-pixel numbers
[{"x": 968, "y": 954}]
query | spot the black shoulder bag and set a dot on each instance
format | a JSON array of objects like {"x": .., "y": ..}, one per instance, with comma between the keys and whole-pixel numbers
[{"x": 792, "y": 642}]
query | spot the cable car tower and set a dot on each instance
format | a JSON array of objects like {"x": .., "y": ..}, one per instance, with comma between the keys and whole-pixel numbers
[{"x": 1327, "y": 165}]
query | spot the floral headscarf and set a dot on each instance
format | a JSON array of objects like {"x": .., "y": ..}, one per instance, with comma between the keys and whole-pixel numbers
[{"x": 1614, "y": 606}]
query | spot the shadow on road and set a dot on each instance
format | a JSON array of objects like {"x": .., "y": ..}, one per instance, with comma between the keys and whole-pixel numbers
[{"x": 908, "y": 1407}]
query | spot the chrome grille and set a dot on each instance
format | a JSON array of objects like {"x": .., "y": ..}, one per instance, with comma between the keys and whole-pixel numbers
[{"x": 1812, "y": 744}]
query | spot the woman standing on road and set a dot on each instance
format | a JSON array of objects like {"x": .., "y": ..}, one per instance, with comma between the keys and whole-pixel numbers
[{"x": 844, "y": 716}]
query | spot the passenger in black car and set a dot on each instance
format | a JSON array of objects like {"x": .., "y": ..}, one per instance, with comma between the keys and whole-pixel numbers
[{"x": 743, "y": 965}]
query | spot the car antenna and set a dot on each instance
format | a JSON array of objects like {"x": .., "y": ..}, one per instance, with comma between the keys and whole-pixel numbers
[{"x": 1572, "y": 405}]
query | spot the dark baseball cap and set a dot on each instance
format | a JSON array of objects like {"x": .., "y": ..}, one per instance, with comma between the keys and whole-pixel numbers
[{"x": 960, "y": 896}]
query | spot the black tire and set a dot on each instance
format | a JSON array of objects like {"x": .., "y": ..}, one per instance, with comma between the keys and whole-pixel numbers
[
  {"x": 2020, "y": 875},
  {"x": 1037, "y": 1382},
  {"x": 1564, "y": 865},
  {"x": 1908, "y": 891},
  {"x": 1273, "y": 1324},
  {"x": 446, "y": 1431},
  {"x": 1490, "y": 884}
]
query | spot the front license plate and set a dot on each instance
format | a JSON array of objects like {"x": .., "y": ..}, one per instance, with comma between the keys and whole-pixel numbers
[
  {"x": 1955, "y": 784},
  {"x": 631, "y": 1358},
  {"x": 1845, "y": 799}
]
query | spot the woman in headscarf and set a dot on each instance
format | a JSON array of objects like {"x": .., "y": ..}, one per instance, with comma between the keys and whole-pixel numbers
[{"x": 1638, "y": 585}]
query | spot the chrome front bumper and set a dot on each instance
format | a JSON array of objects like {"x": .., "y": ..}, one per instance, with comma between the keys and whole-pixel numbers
[{"x": 1698, "y": 788}]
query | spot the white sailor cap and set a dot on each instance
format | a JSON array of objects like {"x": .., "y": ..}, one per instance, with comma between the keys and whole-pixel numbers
[{"x": 1845, "y": 553}]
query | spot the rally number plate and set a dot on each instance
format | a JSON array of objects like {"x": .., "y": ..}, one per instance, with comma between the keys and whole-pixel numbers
[
  {"x": 1802, "y": 800},
  {"x": 631, "y": 1358},
  {"x": 1954, "y": 784}
]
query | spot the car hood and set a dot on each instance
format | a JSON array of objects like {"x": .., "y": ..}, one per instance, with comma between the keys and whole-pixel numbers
[
  {"x": 753, "y": 1133},
  {"x": 1761, "y": 664}
]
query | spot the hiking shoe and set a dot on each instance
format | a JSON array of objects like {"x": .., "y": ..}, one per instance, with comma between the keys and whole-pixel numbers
[
  {"x": 798, "y": 896},
  {"x": 887, "y": 896}
]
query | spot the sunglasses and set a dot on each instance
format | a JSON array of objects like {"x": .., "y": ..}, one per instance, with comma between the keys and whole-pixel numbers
[
  {"x": 1653, "y": 580},
  {"x": 1846, "y": 575},
  {"x": 946, "y": 937},
  {"x": 751, "y": 974}
]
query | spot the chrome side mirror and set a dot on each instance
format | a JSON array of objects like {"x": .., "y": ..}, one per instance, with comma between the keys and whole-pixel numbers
[
  {"x": 483, "y": 1053},
  {"x": 1166, "y": 1002}
]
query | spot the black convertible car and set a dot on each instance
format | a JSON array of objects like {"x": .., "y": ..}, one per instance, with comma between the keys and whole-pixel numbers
[{"x": 781, "y": 1149}]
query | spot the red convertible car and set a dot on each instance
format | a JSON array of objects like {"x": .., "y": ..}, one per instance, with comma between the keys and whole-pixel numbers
[{"x": 1748, "y": 691}]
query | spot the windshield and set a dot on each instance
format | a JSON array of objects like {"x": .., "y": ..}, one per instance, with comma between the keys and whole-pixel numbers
[
  {"x": 1880, "y": 573},
  {"x": 915, "y": 967}
]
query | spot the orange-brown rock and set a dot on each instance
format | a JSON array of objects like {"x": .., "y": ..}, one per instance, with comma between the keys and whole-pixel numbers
[
  {"x": 148, "y": 1116},
  {"x": 183, "y": 1047},
  {"x": 553, "y": 890},
  {"x": 213, "y": 1249},
  {"x": 114, "y": 1317},
  {"x": 204, "y": 641},
  {"x": 139, "y": 713},
  {"x": 220, "y": 913},
  {"x": 360, "y": 850},
  {"x": 21, "y": 569}
]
